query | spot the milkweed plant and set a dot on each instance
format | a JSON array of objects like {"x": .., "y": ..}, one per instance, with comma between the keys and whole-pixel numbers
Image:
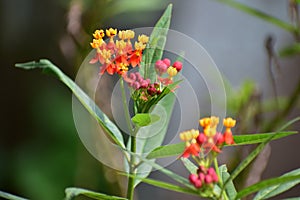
[{"x": 155, "y": 79}]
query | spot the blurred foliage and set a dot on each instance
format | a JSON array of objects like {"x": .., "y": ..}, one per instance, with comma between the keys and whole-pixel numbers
[
  {"x": 42, "y": 154},
  {"x": 253, "y": 112}
]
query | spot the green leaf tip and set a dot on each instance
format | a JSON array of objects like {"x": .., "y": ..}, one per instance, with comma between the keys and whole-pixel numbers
[
  {"x": 43, "y": 63},
  {"x": 156, "y": 44},
  {"x": 109, "y": 127}
]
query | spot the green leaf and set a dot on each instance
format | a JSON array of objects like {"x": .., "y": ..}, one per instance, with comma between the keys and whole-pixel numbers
[
  {"x": 191, "y": 167},
  {"x": 282, "y": 180},
  {"x": 279, "y": 188},
  {"x": 292, "y": 50},
  {"x": 73, "y": 192},
  {"x": 167, "y": 151},
  {"x": 10, "y": 196},
  {"x": 229, "y": 189},
  {"x": 167, "y": 90},
  {"x": 165, "y": 171},
  {"x": 144, "y": 119},
  {"x": 289, "y": 123},
  {"x": 167, "y": 186},
  {"x": 258, "y": 138},
  {"x": 145, "y": 143},
  {"x": 261, "y": 15},
  {"x": 248, "y": 160},
  {"x": 156, "y": 44},
  {"x": 177, "y": 149},
  {"x": 86, "y": 101}
]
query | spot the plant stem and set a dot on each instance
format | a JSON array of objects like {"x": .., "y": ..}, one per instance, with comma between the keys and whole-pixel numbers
[
  {"x": 130, "y": 185},
  {"x": 132, "y": 169},
  {"x": 223, "y": 193}
]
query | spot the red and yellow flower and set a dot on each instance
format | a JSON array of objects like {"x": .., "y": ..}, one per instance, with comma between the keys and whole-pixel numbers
[{"x": 116, "y": 56}]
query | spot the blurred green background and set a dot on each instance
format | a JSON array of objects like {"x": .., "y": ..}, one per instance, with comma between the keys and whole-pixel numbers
[{"x": 40, "y": 151}]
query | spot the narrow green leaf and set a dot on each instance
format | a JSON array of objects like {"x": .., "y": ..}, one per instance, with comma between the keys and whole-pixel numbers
[
  {"x": 191, "y": 167},
  {"x": 167, "y": 151},
  {"x": 158, "y": 130},
  {"x": 86, "y": 101},
  {"x": 289, "y": 123},
  {"x": 258, "y": 138},
  {"x": 144, "y": 119},
  {"x": 261, "y": 15},
  {"x": 229, "y": 189},
  {"x": 279, "y": 188},
  {"x": 267, "y": 183},
  {"x": 248, "y": 160},
  {"x": 156, "y": 44},
  {"x": 10, "y": 196},
  {"x": 72, "y": 192},
  {"x": 167, "y": 186},
  {"x": 177, "y": 149},
  {"x": 165, "y": 171},
  {"x": 292, "y": 50}
]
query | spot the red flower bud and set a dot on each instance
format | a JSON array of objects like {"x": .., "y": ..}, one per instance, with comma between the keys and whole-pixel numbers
[
  {"x": 208, "y": 179},
  {"x": 167, "y": 61},
  {"x": 201, "y": 138},
  {"x": 177, "y": 65}
]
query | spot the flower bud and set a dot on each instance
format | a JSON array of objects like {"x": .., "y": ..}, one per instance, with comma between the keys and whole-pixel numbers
[
  {"x": 201, "y": 177},
  {"x": 136, "y": 85},
  {"x": 201, "y": 138},
  {"x": 208, "y": 179},
  {"x": 177, "y": 65},
  {"x": 132, "y": 76},
  {"x": 167, "y": 62}
]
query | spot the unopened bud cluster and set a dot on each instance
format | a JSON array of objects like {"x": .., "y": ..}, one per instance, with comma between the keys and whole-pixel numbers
[{"x": 204, "y": 177}]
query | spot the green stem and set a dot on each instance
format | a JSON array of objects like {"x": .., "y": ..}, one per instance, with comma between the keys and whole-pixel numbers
[
  {"x": 223, "y": 193},
  {"x": 132, "y": 169},
  {"x": 130, "y": 185}
]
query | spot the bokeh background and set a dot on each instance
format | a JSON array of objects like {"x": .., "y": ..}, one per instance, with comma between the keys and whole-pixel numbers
[{"x": 40, "y": 151}]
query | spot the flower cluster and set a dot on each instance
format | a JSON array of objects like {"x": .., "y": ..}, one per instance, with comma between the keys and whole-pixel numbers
[
  {"x": 142, "y": 87},
  {"x": 115, "y": 56},
  {"x": 204, "y": 177},
  {"x": 163, "y": 67},
  {"x": 209, "y": 139},
  {"x": 205, "y": 146}
]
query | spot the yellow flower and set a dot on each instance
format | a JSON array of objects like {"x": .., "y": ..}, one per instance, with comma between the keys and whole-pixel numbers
[
  {"x": 139, "y": 46},
  {"x": 97, "y": 43},
  {"x": 129, "y": 34},
  {"x": 111, "y": 32},
  {"x": 204, "y": 122},
  {"x": 143, "y": 39},
  {"x": 122, "y": 35},
  {"x": 120, "y": 45},
  {"x": 229, "y": 122},
  {"x": 172, "y": 71},
  {"x": 209, "y": 125},
  {"x": 106, "y": 55},
  {"x": 189, "y": 135},
  {"x": 98, "y": 34}
]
